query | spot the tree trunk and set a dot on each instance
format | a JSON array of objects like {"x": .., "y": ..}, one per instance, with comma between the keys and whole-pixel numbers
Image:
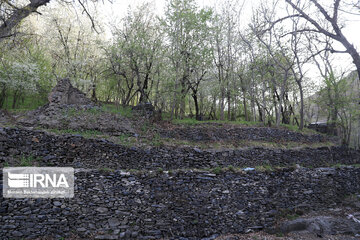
[
  {"x": 222, "y": 104},
  {"x": 301, "y": 126},
  {"x": 228, "y": 105},
  {"x": 245, "y": 108},
  {"x": 194, "y": 95},
  {"x": 15, "y": 99}
]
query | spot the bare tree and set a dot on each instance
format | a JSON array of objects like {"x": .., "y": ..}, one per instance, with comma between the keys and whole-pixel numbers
[
  {"x": 12, "y": 14},
  {"x": 334, "y": 31}
]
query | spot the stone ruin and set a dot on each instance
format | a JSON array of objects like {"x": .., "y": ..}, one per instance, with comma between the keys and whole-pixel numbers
[
  {"x": 65, "y": 94},
  {"x": 65, "y": 97},
  {"x": 145, "y": 109}
]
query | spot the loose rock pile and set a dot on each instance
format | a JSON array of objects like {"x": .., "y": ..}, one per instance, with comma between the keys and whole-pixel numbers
[{"x": 192, "y": 205}]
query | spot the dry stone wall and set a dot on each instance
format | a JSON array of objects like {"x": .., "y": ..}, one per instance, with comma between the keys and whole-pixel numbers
[
  {"x": 76, "y": 151},
  {"x": 177, "y": 205}
]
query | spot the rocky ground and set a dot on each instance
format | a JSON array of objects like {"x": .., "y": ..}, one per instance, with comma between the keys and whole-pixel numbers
[{"x": 140, "y": 179}]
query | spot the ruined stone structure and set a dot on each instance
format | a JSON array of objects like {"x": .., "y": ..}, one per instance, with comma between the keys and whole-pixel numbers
[{"x": 64, "y": 94}]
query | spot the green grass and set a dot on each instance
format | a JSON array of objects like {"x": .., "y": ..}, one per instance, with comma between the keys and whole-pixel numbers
[
  {"x": 124, "y": 111},
  {"x": 339, "y": 165},
  {"x": 124, "y": 139},
  {"x": 232, "y": 144},
  {"x": 217, "y": 170},
  {"x": 157, "y": 140},
  {"x": 192, "y": 121},
  {"x": 27, "y": 161},
  {"x": 231, "y": 168},
  {"x": 105, "y": 169},
  {"x": 264, "y": 168},
  {"x": 292, "y": 216},
  {"x": 30, "y": 102},
  {"x": 84, "y": 133},
  {"x": 72, "y": 112}
]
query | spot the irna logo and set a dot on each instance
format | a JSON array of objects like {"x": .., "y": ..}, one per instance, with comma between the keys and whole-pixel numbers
[{"x": 34, "y": 182}]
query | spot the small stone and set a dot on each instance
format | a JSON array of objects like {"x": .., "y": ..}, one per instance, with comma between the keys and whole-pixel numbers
[
  {"x": 197, "y": 150},
  {"x": 57, "y": 203},
  {"x": 101, "y": 209},
  {"x": 108, "y": 237},
  {"x": 113, "y": 222},
  {"x": 134, "y": 234},
  {"x": 82, "y": 229},
  {"x": 17, "y": 234}
]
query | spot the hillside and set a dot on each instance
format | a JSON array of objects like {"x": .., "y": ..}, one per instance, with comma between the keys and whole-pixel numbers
[{"x": 144, "y": 179}]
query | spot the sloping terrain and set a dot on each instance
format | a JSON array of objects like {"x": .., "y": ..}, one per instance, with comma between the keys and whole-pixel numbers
[
  {"x": 136, "y": 179},
  {"x": 162, "y": 192}
]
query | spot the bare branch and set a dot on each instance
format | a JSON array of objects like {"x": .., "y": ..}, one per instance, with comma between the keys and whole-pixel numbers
[
  {"x": 312, "y": 21},
  {"x": 89, "y": 15}
]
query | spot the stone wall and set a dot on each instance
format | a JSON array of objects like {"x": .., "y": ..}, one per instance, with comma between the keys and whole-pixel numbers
[
  {"x": 216, "y": 132},
  {"x": 76, "y": 151},
  {"x": 191, "y": 205}
]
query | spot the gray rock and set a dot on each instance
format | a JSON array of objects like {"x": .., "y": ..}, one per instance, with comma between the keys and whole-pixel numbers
[
  {"x": 82, "y": 229},
  {"x": 17, "y": 233},
  {"x": 107, "y": 237},
  {"x": 113, "y": 222},
  {"x": 321, "y": 225},
  {"x": 57, "y": 203},
  {"x": 101, "y": 209}
]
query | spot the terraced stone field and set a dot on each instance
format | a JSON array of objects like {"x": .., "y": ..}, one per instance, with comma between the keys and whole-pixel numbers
[{"x": 178, "y": 192}]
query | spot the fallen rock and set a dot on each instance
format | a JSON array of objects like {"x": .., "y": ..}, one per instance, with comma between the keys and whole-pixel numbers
[{"x": 321, "y": 225}]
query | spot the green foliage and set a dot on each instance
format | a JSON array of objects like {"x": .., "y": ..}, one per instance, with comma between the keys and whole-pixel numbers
[
  {"x": 125, "y": 111},
  {"x": 292, "y": 216},
  {"x": 27, "y": 161},
  {"x": 192, "y": 121},
  {"x": 25, "y": 103},
  {"x": 84, "y": 133},
  {"x": 105, "y": 169},
  {"x": 340, "y": 102},
  {"x": 25, "y": 74},
  {"x": 73, "y": 112},
  {"x": 264, "y": 168},
  {"x": 156, "y": 140},
  {"x": 217, "y": 170},
  {"x": 231, "y": 168}
]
